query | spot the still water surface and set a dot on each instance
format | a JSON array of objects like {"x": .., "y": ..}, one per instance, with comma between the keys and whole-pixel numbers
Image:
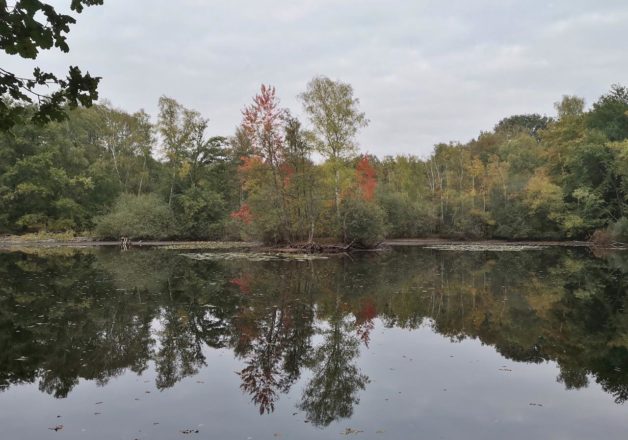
[{"x": 409, "y": 344}]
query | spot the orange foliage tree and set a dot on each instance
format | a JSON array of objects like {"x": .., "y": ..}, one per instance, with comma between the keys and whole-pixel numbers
[
  {"x": 264, "y": 174},
  {"x": 367, "y": 178}
]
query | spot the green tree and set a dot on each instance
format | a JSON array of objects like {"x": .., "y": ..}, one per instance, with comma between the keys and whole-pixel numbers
[
  {"x": 336, "y": 118},
  {"x": 128, "y": 139},
  {"x": 182, "y": 132},
  {"x": 46, "y": 180},
  {"x": 29, "y": 26},
  {"x": 137, "y": 217},
  {"x": 363, "y": 223},
  {"x": 570, "y": 106},
  {"x": 304, "y": 201},
  {"x": 531, "y": 124},
  {"x": 200, "y": 212},
  {"x": 610, "y": 114}
]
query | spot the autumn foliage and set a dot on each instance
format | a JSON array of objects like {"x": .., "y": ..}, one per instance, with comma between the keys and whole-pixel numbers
[
  {"x": 243, "y": 214},
  {"x": 243, "y": 283},
  {"x": 263, "y": 123},
  {"x": 364, "y": 320},
  {"x": 367, "y": 178}
]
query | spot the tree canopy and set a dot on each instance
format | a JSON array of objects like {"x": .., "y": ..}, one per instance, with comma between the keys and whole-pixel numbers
[{"x": 26, "y": 28}]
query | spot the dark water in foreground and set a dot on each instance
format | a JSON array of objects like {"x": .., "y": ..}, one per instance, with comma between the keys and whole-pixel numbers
[{"x": 409, "y": 344}]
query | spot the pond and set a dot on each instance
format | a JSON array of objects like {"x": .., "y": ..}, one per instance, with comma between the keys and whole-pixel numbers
[{"x": 409, "y": 343}]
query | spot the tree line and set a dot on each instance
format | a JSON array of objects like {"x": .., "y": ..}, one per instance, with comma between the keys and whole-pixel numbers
[{"x": 116, "y": 174}]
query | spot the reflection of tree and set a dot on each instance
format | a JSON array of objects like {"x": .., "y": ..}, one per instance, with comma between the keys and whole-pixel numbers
[
  {"x": 180, "y": 354},
  {"x": 91, "y": 315},
  {"x": 365, "y": 320},
  {"x": 573, "y": 378},
  {"x": 194, "y": 314},
  {"x": 333, "y": 390},
  {"x": 63, "y": 318},
  {"x": 263, "y": 378},
  {"x": 611, "y": 374},
  {"x": 275, "y": 344},
  {"x": 58, "y": 324}
]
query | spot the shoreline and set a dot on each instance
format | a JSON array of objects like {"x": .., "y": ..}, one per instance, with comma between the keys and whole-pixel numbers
[
  {"x": 81, "y": 242},
  {"x": 454, "y": 242}
]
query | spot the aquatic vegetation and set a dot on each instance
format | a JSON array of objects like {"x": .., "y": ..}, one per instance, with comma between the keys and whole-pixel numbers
[
  {"x": 214, "y": 245},
  {"x": 254, "y": 256},
  {"x": 481, "y": 247}
]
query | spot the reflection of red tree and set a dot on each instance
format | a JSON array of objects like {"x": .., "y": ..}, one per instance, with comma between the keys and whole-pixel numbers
[
  {"x": 264, "y": 376},
  {"x": 246, "y": 328},
  {"x": 364, "y": 323},
  {"x": 243, "y": 283},
  {"x": 368, "y": 311},
  {"x": 262, "y": 385}
]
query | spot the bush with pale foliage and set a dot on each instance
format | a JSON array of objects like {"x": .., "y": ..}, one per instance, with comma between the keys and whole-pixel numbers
[{"x": 137, "y": 217}]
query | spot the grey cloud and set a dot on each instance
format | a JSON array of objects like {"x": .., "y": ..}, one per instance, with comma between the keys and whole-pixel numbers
[{"x": 425, "y": 71}]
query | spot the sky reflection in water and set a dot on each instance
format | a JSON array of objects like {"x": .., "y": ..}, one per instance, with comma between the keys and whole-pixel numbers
[{"x": 413, "y": 343}]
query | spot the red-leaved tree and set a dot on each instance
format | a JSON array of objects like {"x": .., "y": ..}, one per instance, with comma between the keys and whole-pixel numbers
[
  {"x": 263, "y": 122},
  {"x": 367, "y": 178}
]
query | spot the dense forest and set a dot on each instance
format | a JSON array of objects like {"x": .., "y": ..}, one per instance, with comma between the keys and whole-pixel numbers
[{"x": 108, "y": 173}]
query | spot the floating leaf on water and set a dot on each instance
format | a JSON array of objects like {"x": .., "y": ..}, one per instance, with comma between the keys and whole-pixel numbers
[{"x": 350, "y": 431}]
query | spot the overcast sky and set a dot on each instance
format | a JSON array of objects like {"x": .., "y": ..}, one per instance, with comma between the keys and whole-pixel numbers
[{"x": 424, "y": 71}]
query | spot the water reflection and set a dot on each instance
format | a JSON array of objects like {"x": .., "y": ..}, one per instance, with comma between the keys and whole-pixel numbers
[{"x": 70, "y": 315}]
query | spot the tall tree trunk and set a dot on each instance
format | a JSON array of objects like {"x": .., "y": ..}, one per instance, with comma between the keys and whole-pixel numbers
[
  {"x": 115, "y": 164},
  {"x": 279, "y": 190},
  {"x": 174, "y": 175},
  {"x": 139, "y": 190},
  {"x": 337, "y": 191}
]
